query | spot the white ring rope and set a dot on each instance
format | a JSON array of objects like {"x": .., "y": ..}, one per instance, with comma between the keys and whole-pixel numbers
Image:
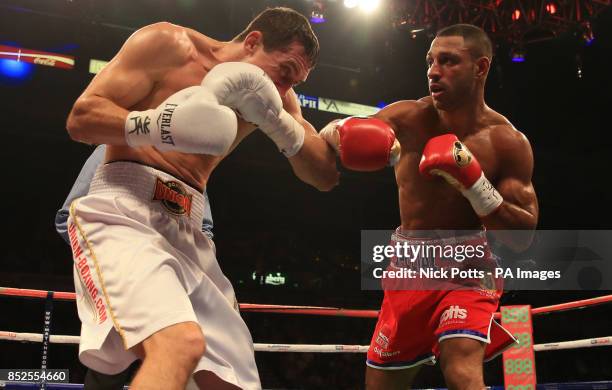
[
  {"x": 318, "y": 348},
  {"x": 584, "y": 343}
]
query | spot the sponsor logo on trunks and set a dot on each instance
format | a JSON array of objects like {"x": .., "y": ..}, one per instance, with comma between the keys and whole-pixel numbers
[
  {"x": 453, "y": 314},
  {"x": 173, "y": 196},
  {"x": 461, "y": 154},
  {"x": 384, "y": 354},
  {"x": 164, "y": 122},
  {"x": 382, "y": 340},
  {"x": 85, "y": 275}
]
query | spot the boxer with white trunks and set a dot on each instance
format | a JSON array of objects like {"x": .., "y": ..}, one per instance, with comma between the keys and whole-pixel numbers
[
  {"x": 169, "y": 107},
  {"x": 462, "y": 166},
  {"x": 96, "y": 380}
]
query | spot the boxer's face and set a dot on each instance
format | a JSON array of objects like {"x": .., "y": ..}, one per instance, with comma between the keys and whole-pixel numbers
[
  {"x": 287, "y": 67},
  {"x": 451, "y": 72}
]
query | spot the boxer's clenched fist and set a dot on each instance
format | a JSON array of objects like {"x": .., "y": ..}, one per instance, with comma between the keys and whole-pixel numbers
[
  {"x": 364, "y": 144},
  {"x": 188, "y": 121},
  {"x": 448, "y": 157},
  {"x": 247, "y": 89}
]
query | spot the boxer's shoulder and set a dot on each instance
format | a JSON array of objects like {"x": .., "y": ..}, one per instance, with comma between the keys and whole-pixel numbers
[
  {"x": 161, "y": 34},
  {"x": 511, "y": 148},
  {"x": 406, "y": 115},
  {"x": 504, "y": 136},
  {"x": 511, "y": 145},
  {"x": 161, "y": 43}
]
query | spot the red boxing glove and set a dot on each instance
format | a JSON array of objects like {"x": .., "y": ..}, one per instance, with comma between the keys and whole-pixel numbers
[
  {"x": 363, "y": 143},
  {"x": 448, "y": 157}
]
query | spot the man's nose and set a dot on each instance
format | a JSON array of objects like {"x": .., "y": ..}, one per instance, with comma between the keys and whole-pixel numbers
[{"x": 433, "y": 73}]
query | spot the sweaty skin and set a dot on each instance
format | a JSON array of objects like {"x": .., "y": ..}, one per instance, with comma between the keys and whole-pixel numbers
[
  {"x": 504, "y": 155},
  {"x": 456, "y": 105},
  {"x": 161, "y": 59}
]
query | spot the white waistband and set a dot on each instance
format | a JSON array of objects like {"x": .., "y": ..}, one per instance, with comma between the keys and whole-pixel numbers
[
  {"x": 448, "y": 237},
  {"x": 145, "y": 183}
]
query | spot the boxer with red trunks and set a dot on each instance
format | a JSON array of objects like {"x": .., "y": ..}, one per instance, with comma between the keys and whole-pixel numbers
[{"x": 462, "y": 166}]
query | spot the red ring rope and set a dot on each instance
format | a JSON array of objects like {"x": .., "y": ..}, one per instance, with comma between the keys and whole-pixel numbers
[{"x": 312, "y": 310}]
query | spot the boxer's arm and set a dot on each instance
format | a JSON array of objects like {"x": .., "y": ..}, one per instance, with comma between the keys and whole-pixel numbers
[
  {"x": 519, "y": 210},
  {"x": 315, "y": 163},
  {"x": 372, "y": 143},
  {"x": 79, "y": 189},
  {"x": 401, "y": 115},
  {"x": 99, "y": 114}
]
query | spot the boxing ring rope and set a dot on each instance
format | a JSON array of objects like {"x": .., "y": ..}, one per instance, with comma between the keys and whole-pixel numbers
[
  {"x": 311, "y": 310},
  {"x": 49, "y": 296},
  {"x": 314, "y": 348}
]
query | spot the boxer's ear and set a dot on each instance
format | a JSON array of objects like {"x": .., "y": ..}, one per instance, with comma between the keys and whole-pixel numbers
[
  {"x": 482, "y": 67},
  {"x": 253, "y": 41}
]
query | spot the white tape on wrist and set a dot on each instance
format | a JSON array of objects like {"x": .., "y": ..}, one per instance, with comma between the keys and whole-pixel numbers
[
  {"x": 483, "y": 197},
  {"x": 140, "y": 126},
  {"x": 331, "y": 135}
]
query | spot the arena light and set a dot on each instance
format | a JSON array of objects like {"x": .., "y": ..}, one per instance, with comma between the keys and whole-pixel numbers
[
  {"x": 369, "y": 5},
  {"x": 517, "y": 54},
  {"x": 351, "y": 3},
  {"x": 15, "y": 69},
  {"x": 588, "y": 36},
  {"x": 551, "y": 8},
  {"x": 317, "y": 15},
  {"x": 95, "y": 66}
]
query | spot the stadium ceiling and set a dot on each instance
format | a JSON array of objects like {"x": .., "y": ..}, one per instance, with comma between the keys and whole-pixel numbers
[{"x": 514, "y": 21}]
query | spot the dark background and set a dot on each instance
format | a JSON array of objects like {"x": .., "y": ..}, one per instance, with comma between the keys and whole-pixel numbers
[{"x": 266, "y": 220}]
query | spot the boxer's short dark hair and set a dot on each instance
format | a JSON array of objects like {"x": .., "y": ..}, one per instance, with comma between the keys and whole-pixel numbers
[
  {"x": 282, "y": 26},
  {"x": 476, "y": 38}
]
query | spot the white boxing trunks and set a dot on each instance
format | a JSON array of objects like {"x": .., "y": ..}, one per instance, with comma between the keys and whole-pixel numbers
[{"x": 142, "y": 263}]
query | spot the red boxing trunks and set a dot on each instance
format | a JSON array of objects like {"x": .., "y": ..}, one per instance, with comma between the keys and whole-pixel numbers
[{"x": 412, "y": 323}]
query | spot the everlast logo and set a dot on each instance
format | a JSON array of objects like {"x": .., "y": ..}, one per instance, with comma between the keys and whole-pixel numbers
[
  {"x": 164, "y": 125},
  {"x": 173, "y": 197}
]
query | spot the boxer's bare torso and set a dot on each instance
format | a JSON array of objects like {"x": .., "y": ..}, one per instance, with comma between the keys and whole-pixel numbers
[
  {"x": 195, "y": 56},
  {"x": 161, "y": 59},
  {"x": 434, "y": 204}
]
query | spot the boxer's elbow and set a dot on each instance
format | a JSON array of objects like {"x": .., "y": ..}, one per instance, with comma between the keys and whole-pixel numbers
[
  {"x": 331, "y": 180},
  {"x": 512, "y": 226},
  {"x": 327, "y": 178},
  {"x": 520, "y": 241},
  {"x": 524, "y": 233},
  {"x": 329, "y": 175},
  {"x": 76, "y": 124},
  {"x": 322, "y": 178}
]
